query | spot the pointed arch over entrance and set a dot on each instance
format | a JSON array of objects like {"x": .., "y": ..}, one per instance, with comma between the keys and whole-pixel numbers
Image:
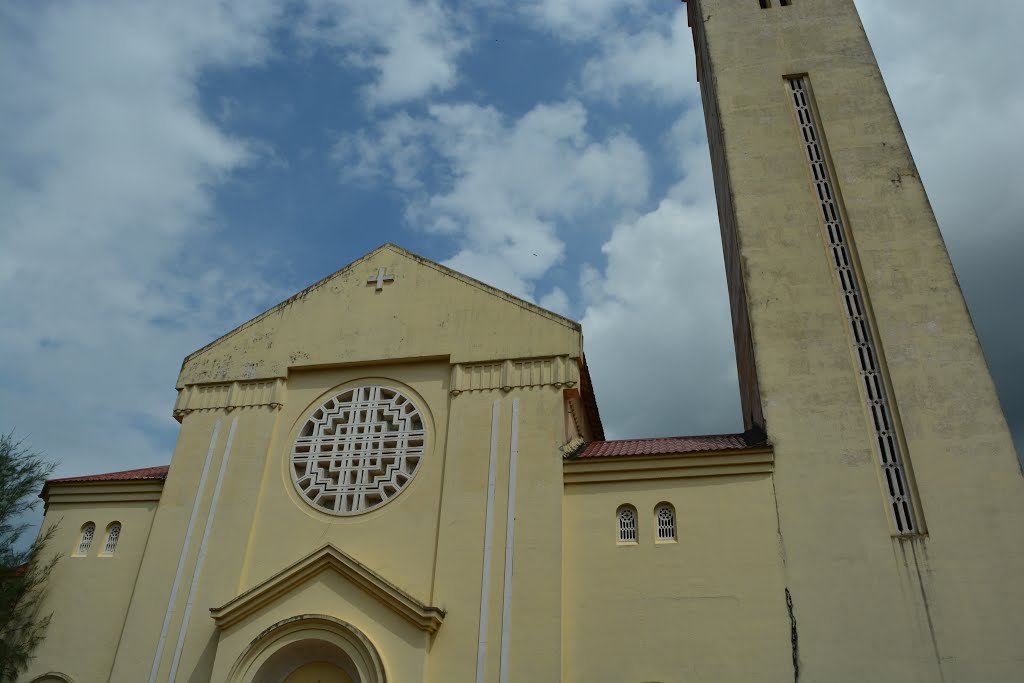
[{"x": 288, "y": 650}]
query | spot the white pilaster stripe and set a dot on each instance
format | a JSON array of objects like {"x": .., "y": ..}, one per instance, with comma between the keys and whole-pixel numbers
[
  {"x": 485, "y": 583},
  {"x": 202, "y": 552},
  {"x": 184, "y": 553},
  {"x": 506, "y": 600}
]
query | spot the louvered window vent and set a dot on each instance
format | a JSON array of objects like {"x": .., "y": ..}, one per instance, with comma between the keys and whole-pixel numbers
[{"x": 875, "y": 390}]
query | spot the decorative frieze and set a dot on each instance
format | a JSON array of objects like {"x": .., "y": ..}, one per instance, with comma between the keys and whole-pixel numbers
[
  {"x": 229, "y": 395},
  {"x": 557, "y": 371}
]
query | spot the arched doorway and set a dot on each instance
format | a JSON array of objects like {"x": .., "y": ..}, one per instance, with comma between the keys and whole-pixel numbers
[
  {"x": 312, "y": 648},
  {"x": 318, "y": 672},
  {"x": 309, "y": 660}
]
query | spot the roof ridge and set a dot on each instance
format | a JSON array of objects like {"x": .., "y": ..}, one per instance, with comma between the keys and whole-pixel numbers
[
  {"x": 741, "y": 435},
  {"x": 154, "y": 472},
  {"x": 752, "y": 439}
]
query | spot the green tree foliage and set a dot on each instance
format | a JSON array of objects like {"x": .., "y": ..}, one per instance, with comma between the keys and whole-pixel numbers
[{"x": 23, "y": 573}]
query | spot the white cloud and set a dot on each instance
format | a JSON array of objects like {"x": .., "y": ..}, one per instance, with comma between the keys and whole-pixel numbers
[
  {"x": 657, "y": 331},
  {"x": 656, "y": 63},
  {"x": 578, "y": 19},
  {"x": 657, "y": 326},
  {"x": 954, "y": 77},
  {"x": 108, "y": 274},
  {"x": 396, "y": 151},
  {"x": 411, "y": 47},
  {"x": 507, "y": 188},
  {"x": 556, "y": 300}
]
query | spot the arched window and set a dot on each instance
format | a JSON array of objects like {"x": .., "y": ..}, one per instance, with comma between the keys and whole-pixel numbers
[
  {"x": 85, "y": 540},
  {"x": 665, "y": 516},
  {"x": 627, "y": 524},
  {"x": 113, "y": 533}
]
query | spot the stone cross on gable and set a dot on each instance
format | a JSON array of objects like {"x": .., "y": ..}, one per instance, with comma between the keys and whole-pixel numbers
[{"x": 379, "y": 279}]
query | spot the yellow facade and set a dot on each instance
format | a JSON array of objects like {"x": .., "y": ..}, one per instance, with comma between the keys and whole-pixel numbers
[{"x": 503, "y": 559}]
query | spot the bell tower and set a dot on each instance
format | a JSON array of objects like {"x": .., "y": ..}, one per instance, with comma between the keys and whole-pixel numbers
[{"x": 899, "y": 496}]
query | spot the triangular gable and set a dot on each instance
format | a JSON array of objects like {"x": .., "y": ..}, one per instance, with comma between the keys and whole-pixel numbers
[
  {"x": 329, "y": 558},
  {"x": 425, "y": 309}
]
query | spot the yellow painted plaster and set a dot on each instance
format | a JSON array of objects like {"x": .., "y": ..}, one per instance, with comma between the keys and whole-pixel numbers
[{"x": 785, "y": 558}]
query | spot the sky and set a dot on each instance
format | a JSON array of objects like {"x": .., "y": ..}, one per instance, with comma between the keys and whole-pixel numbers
[{"x": 170, "y": 170}]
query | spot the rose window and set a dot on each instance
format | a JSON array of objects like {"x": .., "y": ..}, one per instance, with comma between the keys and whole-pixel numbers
[{"x": 358, "y": 450}]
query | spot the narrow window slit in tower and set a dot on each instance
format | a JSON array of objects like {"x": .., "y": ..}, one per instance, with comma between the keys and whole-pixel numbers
[
  {"x": 765, "y": 4},
  {"x": 864, "y": 343}
]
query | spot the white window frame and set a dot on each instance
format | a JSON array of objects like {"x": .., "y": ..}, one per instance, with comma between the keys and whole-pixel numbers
[
  {"x": 627, "y": 533},
  {"x": 85, "y": 538},
  {"x": 113, "y": 536},
  {"x": 666, "y": 533}
]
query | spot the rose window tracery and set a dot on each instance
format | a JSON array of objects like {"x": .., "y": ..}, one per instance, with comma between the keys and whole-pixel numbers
[{"x": 358, "y": 450}]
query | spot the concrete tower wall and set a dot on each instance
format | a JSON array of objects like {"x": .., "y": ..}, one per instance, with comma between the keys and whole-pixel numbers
[{"x": 941, "y": 597}]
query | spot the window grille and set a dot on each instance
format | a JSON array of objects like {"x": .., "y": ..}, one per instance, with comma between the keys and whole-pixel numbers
[
  {"x": 666, "y": 517},
  {"x": 627, "y": 524},
  {"x": 863, "y": 340},
  {"x": 88, "y": 531},
  {"x": 358, "y": 450},
  {"x": 113, "y": 534}
]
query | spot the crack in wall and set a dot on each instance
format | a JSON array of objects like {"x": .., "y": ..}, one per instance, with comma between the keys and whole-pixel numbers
[
  {"x": 794, "y": 640},
  {"x": 927, "y": 607}
]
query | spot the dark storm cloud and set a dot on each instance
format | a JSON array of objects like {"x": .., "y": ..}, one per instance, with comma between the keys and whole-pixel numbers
[{"x": 953, "y": 70}]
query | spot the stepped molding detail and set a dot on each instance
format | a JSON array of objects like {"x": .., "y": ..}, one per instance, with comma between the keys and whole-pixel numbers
[
  {"x": 556, "y": 371},
  {"x": 229, "y": 395}
]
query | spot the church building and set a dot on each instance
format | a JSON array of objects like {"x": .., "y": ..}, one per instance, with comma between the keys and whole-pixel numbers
[{"x": 400, "y": 474}]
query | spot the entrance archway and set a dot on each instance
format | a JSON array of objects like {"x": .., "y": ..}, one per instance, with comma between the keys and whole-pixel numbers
[
  {"x": 318, "y": 672},
  {"x": 311, "y": 648}
]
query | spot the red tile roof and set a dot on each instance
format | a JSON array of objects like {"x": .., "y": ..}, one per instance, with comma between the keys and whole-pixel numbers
[
  {"x": 159, "y": 472},
  {"x": 672, "y": 444}
]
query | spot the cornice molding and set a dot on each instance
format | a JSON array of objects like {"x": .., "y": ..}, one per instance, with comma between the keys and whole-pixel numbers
[
  {"x": 229, "y": 395},
  {"x": 556, "y": 371},
  {"x": 102, "y": 491},
  {"x": 668, "y": 466},
  {"x": 329, "y": 558}
]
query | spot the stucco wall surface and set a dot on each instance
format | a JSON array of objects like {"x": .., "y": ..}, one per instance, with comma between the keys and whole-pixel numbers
[
  {"x": 946, "y": 602},
  {"x": 427, "y": 310},
  {"x": 709, "y": 606},
  {"x": 230, "y": 516},
  {"x": 88, "y": 595}
]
